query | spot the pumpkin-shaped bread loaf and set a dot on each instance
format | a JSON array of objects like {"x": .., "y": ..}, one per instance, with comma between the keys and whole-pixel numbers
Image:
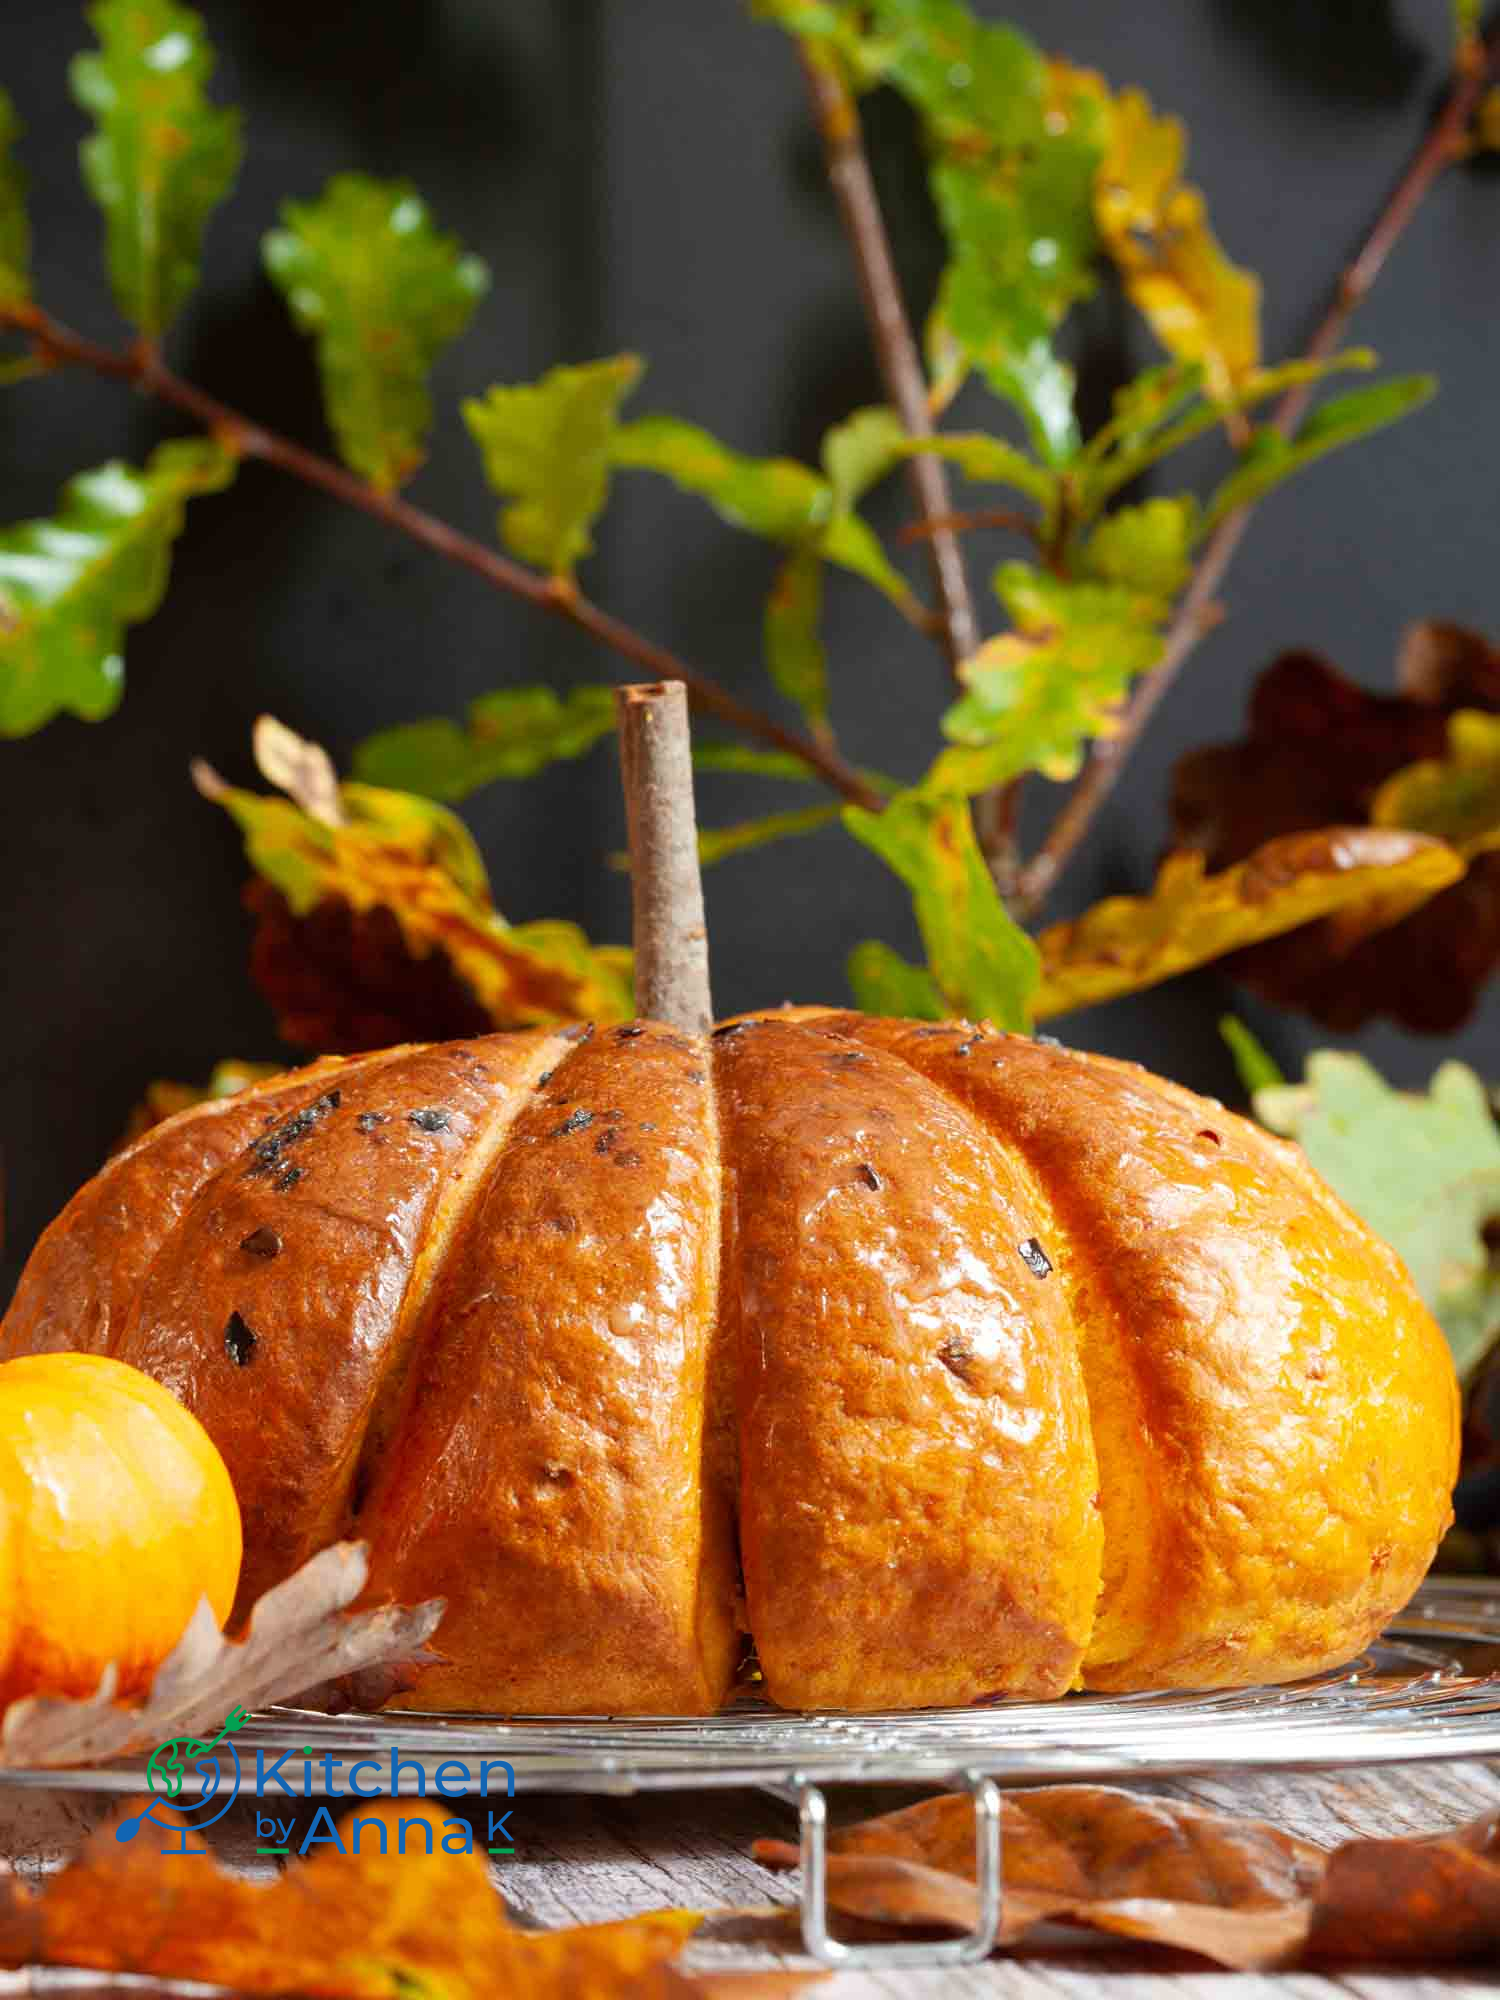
[{"x": 941, "y": 1363}]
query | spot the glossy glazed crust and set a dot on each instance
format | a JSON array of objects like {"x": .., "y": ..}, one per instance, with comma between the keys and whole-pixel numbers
[
  {"x": 547, "y": 1316},
  {"x": 547, "y": 1475},
  {"x": 1273, "y": 1407},
  {"x": 917, "y": 1482}
]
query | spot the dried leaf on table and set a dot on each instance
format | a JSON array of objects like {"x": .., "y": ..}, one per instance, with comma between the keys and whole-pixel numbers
[
  {"x": 1238, "y": 1891},
  {"x": 360, "y": 1924},
  {"x": 299, "y": 1635},
  {"x": 381, "y": 927},
  {"x": 1318, "y": 750},
  {"x": 1129, "y": 942}
]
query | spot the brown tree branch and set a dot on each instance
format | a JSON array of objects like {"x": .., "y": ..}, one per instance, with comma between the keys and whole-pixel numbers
[
  {"x": 905, "y": 381},
  {"x": 56, "y": 346},
  {"x": 1194, "y": 616}
]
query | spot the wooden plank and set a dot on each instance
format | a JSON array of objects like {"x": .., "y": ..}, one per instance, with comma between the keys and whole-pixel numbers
[{"x": 582, "y": 1860}]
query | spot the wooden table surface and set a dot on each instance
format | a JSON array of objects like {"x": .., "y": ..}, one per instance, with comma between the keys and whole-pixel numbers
[{"x": 583, "y": 1860}]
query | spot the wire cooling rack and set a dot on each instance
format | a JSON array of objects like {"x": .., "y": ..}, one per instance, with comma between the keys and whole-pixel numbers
[{"x": 1429, "y": 1689}]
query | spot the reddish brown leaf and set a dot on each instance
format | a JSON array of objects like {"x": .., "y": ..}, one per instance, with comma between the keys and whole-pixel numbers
[
  {"x": 1316, "y": 750},
  {"x": 1412, "y": 1899},
  {"x": 1240, "y": 1892},
  {"x": 341, "y": 981}
]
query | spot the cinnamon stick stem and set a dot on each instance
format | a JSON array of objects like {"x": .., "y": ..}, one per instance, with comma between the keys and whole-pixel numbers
[{"x": 671, "y": 937}]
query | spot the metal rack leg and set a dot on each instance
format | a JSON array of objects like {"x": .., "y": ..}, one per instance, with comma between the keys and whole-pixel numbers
[{"x": 957, "y": 1951}]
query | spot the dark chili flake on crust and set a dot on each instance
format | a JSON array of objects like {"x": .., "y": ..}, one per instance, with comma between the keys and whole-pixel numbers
[
  {"x": 967, "y": 1048},
  {"x": 287, "y": 1178},
  {"x": 628, "y": 1158},
  {"x": 239, "y": 1341},
  {"x": 545, "y": 1077},
  {"x": 1035, "y": 1257},
  {"x": 262, "y": 1242},
  {"x": 731, "y": 1028},
  {"x": 576, "y": 1121},
  {"x": 628, "y": 1034},
  {"x": 957, "y": 1356},
  {"x": 607, "y": 1140},
  {"x": 431, "y": 1119},
  {"x": 869, "y": 1176},
  {"x": 267, "y": 1153},
  {"x": 368, "y": 1120}
]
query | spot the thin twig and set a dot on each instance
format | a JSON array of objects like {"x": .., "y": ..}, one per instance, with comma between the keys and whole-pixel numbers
[
  {"x": 896, "y": 352},
  {"x": 995, "y": 813},
  {"x": 666, "y": 884},
  {"x": 966, "y": 523},
  {"x": 1194, "y": 614},
  {"x": 58, "y": 346}
]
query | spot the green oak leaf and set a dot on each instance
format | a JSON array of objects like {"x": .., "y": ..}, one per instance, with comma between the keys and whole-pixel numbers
[
  {"x": 15, "y": 230},
  {"x": 1422, "y": 1170},
  {"x": 988, "y": 461},
  {"x": 995, "y": 300},
  {"x": 716, "y": 843},
  {"x": 858, "y": 453},
  {"x": 1269, "y": 458},
  {"x": 984, "y": 964},
  {"x": 787, "y": 502},
  {"x": 778, "y": 498},
  {"x": 1037, "y": 693},
  {"x": 1145, "y": 548},
  {"x": 750, "y": 763},
  {"x": 70, "y": 585},
  {"x": 162, "y": 157},
  {"x": 794, "y": 649},
  {"x": 883, "y": 982},
  {"x": 547, "y": 445},
  {"x": 1135, "y": 439},
  {"x": 976, "y": 83},
  {"x": 512, "y": 733},
  {"x": 381, "y": 292}
]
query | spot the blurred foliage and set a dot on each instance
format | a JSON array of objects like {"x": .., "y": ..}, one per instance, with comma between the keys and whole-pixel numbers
[
  {"x": 382, "y": 293},
  {"x": 1046, "y": 181},
  {"x": 1423, "y": 1170},
  {"x": 162, "y": 156},
  {"x": 1319, "y": 749},
  {"x": 70, "y": 585}
]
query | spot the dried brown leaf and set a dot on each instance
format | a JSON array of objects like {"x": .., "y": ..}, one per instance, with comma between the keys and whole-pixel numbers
[
  {"x": 372, "y": 1916},
  {"x": 1317, "y": 750},
  {"x": 299, "y": 1634}
]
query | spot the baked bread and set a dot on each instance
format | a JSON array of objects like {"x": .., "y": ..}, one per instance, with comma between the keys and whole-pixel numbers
[{"x": 941, "y": 1363}]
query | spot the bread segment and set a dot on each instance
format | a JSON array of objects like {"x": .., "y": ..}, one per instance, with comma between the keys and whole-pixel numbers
[
  {"x": 278, "y": 1308},
  {"x": 80, "y": 1281},
  {"x": 1273, "y": 1408},
  {"x": 917, "y": 1483},
  {"x": 547, "y": 1474}
]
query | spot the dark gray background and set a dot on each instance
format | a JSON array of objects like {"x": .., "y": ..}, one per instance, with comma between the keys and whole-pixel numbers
[{"x": 639, "y": 173}]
